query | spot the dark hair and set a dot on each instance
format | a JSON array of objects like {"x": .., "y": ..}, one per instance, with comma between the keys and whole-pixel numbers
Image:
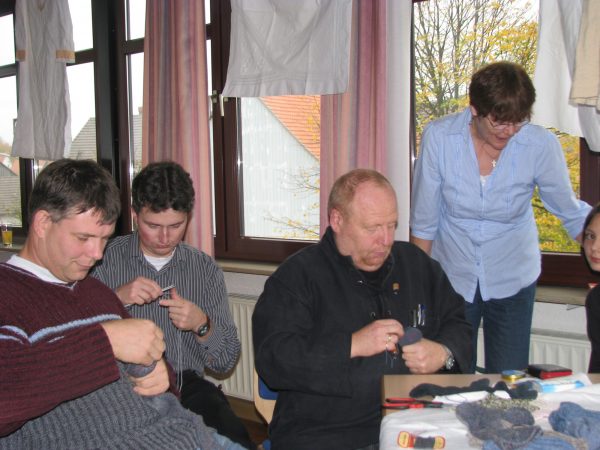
[
  {"x": 162, "y": 185},
  {"x": 593, "y": 213},
  {"x": 69, "y": 186},
  {"x": 344, "y": 188},
  {"x": 502, "y": 90}
]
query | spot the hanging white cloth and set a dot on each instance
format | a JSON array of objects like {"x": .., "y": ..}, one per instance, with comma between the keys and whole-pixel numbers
[
  {"x": 559, "y": 23},
  {"x": 285, "y": 47},
  {"x": 586, "y": 78},
  {"x": 44, "y": 44}
]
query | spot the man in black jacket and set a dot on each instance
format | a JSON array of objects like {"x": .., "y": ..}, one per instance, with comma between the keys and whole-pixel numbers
[{"x": 332, "y": 319}]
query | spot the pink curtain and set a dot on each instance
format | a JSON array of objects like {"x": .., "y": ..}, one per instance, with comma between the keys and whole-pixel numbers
[
  {"x": 175, "y": 118},
  {"x": 353, "y": 124}
]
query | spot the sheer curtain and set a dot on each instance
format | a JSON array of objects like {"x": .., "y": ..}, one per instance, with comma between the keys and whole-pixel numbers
[
  {"x": 353, "y": 125},
  {"x": 368, "y": 125},
  {"x": 175, "y": 116}
]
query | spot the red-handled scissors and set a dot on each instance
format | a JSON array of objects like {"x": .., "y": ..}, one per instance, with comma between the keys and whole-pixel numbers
[{"x": 408, "y": 403}]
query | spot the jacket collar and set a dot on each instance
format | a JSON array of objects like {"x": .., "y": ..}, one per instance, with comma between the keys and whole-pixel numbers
[{"x": 330, "y": 248}]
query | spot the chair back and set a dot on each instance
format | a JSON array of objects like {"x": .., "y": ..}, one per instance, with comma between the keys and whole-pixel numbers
[{"x": 264, "y": 398}]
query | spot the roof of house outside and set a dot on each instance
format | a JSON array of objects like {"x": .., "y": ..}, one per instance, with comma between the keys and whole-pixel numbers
[{"x": 300, "y": 114}]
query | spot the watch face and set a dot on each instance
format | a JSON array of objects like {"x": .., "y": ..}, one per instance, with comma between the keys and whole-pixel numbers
[{"x": 203, "y": 329}]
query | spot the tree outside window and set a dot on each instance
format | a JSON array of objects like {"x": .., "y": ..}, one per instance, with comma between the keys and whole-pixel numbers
[{"x": 452, "y": 39}]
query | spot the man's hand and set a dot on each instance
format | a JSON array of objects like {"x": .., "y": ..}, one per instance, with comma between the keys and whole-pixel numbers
[
  {"x": 139, "y": 291},
  {"x": 184, "y": 314},
  {"x": 156, "y": 382},
  {"x": 137, "y": 341},
  {"x": 376, "y": 338},
  {"x": 424, "y": 356}
]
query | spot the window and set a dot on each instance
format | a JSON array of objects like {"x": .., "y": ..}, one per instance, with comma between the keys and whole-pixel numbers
[
  {"x": 94, "y": 124},
  {"x": 247, "y": 135},
  {"x": 266, "y": 153},
  {"x": 10, "y": 173},
  {"x": 279, "y": 147},
  {"x": 451, "y": 40}
]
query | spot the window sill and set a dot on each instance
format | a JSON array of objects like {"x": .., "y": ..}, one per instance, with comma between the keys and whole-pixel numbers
[
  {"x": 561, "y": 295},
  {"x": 253, "y": 268},
  {"x": 16, "y": 248},
  {"x": 544, "y": 294}
]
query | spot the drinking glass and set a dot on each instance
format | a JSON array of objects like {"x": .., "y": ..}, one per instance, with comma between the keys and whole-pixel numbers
[{"x": 7, "y": 234}]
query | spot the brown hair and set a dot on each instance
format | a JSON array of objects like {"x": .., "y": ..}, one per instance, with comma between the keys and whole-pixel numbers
[
  {"x": 69, "y": 186},
  {"x": 502, "y": 90}
]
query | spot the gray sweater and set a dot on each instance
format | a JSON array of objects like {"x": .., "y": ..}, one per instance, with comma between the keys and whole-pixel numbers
[{"x": 121, "y": 419}]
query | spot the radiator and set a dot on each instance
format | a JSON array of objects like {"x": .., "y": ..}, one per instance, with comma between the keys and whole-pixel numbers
[
  {"x": 565, "y": 349},
  {"x": 239, "y": 382}
]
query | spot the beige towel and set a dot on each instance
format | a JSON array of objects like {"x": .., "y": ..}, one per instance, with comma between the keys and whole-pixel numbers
[{"x": 585, "y": 89}]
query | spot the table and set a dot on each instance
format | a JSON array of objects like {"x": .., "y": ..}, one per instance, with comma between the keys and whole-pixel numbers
[
  {"x": 443, "y": 422},
  {"x": 401, "y": 385}
]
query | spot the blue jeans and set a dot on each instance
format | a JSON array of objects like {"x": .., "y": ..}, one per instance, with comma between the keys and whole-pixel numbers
[
  {"x": 226, "y": 443},
  {"x": 506, "y": 329}
]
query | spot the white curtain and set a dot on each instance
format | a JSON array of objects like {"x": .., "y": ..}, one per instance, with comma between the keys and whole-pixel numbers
[
  {"x": 286, "y": 47},
  {"x": 398, "y": 107},
  {"x": 44, "y": 46},
  {"x": 559, "y": 33}
]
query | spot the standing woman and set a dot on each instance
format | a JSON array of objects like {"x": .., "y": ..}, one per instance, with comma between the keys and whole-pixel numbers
[
  {"x": 471, "y": 206},
  {"x": 591, "y": 251}
]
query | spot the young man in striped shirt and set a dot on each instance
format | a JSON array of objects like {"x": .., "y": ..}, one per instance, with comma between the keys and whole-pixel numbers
[{"x": 181, "y": 289}]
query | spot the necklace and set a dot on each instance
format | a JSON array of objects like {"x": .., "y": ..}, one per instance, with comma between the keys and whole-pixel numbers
[
  {"x": 494, "y": 160},
  {"x": 476, "y": 136}
]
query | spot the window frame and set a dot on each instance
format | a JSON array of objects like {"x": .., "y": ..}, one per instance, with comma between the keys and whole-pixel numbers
[
  {"x": 562, "y": 269},
  {"x": 109, "y": 55},
  {"x": 558, "y": 269},
  {"x": 229, "y": 241},
  {"x": 109, "y": 81}
]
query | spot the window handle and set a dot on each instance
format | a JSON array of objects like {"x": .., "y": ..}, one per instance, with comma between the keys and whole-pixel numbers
[{"x": 216, "y": 97}]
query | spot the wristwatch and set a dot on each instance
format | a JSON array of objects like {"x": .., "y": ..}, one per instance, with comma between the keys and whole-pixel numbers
[
  {"x": 449, "y": 364},
  {"x": 204, "y": 328}
]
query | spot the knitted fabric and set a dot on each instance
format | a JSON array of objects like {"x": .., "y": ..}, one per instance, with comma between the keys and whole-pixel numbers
[
  {"x": 115, "y": 417},
  {"x": 425, "y": 389},
  {"x": 524, "y": 390},
  {"x": 572, "y": 419},
  {"x": 542, "y": 442},
  {"x": 508, "y": 428},
  {"x": 548, "y": 440}
]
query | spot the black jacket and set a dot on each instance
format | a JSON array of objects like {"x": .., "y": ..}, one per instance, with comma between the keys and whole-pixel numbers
[{"x": 302, "y": 329}]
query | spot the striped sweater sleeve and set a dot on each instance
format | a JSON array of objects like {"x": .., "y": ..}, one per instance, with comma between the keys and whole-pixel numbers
[{"x": 52, "y": 347}]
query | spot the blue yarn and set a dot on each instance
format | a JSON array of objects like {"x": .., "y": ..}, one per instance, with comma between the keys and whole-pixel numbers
[
  {"x": 572, "y": 419},
  {"x": 539, "y": 443}
]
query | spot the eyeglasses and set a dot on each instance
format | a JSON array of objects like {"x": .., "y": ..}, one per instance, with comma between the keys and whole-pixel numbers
[{"x": 501, "y": 126}]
